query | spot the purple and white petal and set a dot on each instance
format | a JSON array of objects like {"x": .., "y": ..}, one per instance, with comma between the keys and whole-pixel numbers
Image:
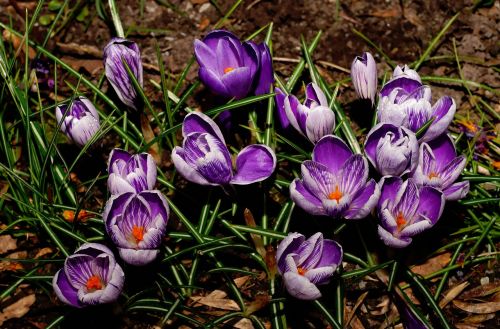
[
  {"x": 332, "y": 152},
  {"x": 300, "y": 287},
  {"x": 389, "y": 240},
  {"x": 456, "y": 191},
  {"x": 320, "y": 122},
  {"x": 305, "y": 199},
  {"x": 364, "y": 201},
  {"x": 138, "y": 257}
]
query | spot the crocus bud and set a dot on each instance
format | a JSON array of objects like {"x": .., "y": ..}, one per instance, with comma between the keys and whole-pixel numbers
[
  {"x": 307, "y": 263},
  {"x": 136, "y": 223},
  {"x": 115, "y": 52},
  {"x": 392, "y": 150},
  {"x": 130, "y": 173},
  {"x": 364, "y": 76},
  {"x": 81, "y": 122},
  {"x": 90, "y": 276},
  {"x": 264, "y": 76}
]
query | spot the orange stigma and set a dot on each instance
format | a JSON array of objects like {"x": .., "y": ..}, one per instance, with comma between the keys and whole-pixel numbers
[
  {"x": 301, "y": 271},
  {"x": 335, "y": 195},
  {"x": 228, "y": 69},
  {"x": 400, "y": 220},
  {"x": 94, "y": 283},
  {"x": 433, "y": 175},
  {"x": 138, "y": 233}
]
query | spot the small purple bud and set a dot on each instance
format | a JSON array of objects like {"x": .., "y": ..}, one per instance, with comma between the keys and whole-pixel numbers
[
  {"x": 364, "y": 76},
  {"x": 90, "y": 276},
  {"x": 80, "y": 122},
  {"x": 307, "y": 263},
  {"x": 137, "y": 223},
  {"x": 119, "y": 49}
]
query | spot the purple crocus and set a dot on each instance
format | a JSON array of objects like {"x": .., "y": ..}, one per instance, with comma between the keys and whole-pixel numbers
[
  {"x": 335, "y": 183},
  {"x": 117, "y": 51},
  {"x": 233, "y": 69},
  {"x": 392, "y": 150},
  {"x": 130, "y": 173},
  {"x": 136, "y": 223},
  {"x": 313, "y": 119},
  {"x": 406, "y": 210},
  {"x": 307, "y": 263},
  {"x": 404, "y": 101},
  {"x": 80, "y": 122},
  {"x": 439, "y": 167},
  {"x": 90, "y": 276},
  {"x": 364, "y": 76},
  {"x": 204, "y": 158}
]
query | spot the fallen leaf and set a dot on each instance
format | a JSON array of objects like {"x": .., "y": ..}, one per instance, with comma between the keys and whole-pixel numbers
[
  {"x": 18, "y": 309},
  {"x": 478, "y": 318},
  {"x": 78, "y": 49},
  {"x": 204, "y": 23},
  {"x": 241, "y": 280},
  {"x": 7, "y": 243},
  {"x": 386, "y": 13},
  {"x": 244, "y": 324},
  {"x": 44, "y": 251},
  {"x": 92, "y": 66},
  {"x": 219, "y": 303},
  {"x": 149, "y": 136},
  {"x": 432, "y": 265},
  {"x": 257, "y": 239},
  {"x": 452, "y": 293},
  {"x": 466, "y": 326},
  {"x": 10, "y": 264},
  {"x": 481, "y": 291},
  {"x": 478, "y": 308},
  {"x": 352, "y": 312},
  {"x": 18, "y": 43}
]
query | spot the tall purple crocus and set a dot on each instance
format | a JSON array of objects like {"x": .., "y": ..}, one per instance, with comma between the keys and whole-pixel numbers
[
  {"x": 439, "y": 167},
  {"x": 391, "y": 150},
  {"x": 313, "y": 119},
  {"x": 404, "y": 101},
  {"x": 90, "y": 276},
  {"x": 335, "y": 183},
  {"x": 136, "y": 223},
  {"x": 204, "y": 158},
  {"x": 307, "y": 263},
  {"x": 364, "y": 76},
  {"x": 231, "y": 68},
  {"x": 117, "y": 51},
  {"x": 130, "y": 173},
  {"x": 81, "y": 122},
  {"x": 406, "y": 210}
]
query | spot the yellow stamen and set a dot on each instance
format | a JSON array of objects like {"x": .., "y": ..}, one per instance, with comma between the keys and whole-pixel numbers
[
  {"x": 301, "y": 271},
  {"x": 228, "y": 69},
  {"x": 335, "y": 195},
  {"x": 94, "y": 283},
  {"x": 138, "y": 233}
]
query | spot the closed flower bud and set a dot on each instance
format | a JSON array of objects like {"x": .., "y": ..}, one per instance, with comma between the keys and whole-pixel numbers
[
  {"x": 80, "y": 122},
  {"x": 117, "y": 51},
  {"x": 364, "y": 76}
]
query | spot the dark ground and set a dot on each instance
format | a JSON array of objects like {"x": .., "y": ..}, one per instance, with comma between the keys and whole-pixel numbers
[{"x": 403, "y": 29}]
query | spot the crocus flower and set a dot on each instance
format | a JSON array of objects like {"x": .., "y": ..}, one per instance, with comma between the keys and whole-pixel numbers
[
  {"x": 130, "y": 173},
  {"x": 90, "y": 276},
  {"x": 41, "y": 70},
  {"x": 313, "y": 119},
  {"x": 307, "y": 263},
  {"x": 439, "y": 167},
  {"x": 204, "y": 158},
  {"x": 117, "y": 51},
  {"x": 404, "y": 101},
  {"x": 231, "y": 68},
  {"x": 406, "y": 210},
  {"x": 81, "y": 122},
  {"x": 364, "y": 76},
  {"x": 335, "y": 183},
  {"x": 136, "y": 223},
  {"x": 392, "y": 150}
]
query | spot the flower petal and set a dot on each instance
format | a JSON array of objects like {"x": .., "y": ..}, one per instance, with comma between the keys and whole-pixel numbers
[
  {"x": 238, "y": 82},
  {"x": 320, "y": 275},
  {"x": 389, "y": 240},
  {"x": 452, "y": 170},
  {"x": 332, "y": 152},
  {"x": 389, "y": 188},
  {"x": 64, "y": 290},
  {"x": 310, "y": 251},
  {"x": 319, "y": 122},
  {"x": 305, "y": 199},
  {"x": 213, "y": 82},
  {"x": 138, "y": 257},
  {"x": 288, "y": 245},
  {"x": 300, "y": 287},
  {"x": 318, "y": 179},
  {"x": 443, "y": 111},
  {"x": 354, "y": 174},
  {"x": 254, "y": 164},
  {"x": 280, "y": 106},
  {"x": 314, "y": 92},
  {"x": 332, "y": 254},
  {"x": 186, "y": 170},
  {"x": 456, "y": 191},
  {"x": 431, "y": 203},
  {"x": 364, "y": 201},
  {"x": 197, "y": 122}
]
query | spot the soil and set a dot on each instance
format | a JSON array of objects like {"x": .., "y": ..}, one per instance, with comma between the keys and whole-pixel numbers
[{"x": 402, "y": 29}]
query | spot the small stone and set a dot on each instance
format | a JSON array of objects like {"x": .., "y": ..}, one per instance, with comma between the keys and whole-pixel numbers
[{"x": 484, "y": 280}]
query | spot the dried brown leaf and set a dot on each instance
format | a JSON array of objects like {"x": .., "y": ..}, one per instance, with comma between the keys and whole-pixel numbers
[
  {"x": 7, "y": 243},
  {"x": 432, "y": 265},
  {"x": 79, "y": 49},
  {"x": 481, "y": 291},
  {"x": 452, "y": 293},
  {"x": 244, "y": 324},
  {"x": 349, "y": 316},
  {"x": 220, "y": 303},
  {"x": 386, "y": 13},
  {"x": 478, "y": 308},
  {"x": 478, "y": 318},
  {"x": 204, "y": 23},
  {"x": 149, "y": 135},
  {"x": 17, "y": 309}
]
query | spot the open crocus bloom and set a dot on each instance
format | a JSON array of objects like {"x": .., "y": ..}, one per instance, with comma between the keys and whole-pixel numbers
[
  {"x": 392, "y": 150},
  {"x": 136, "y": 223},
  {"x": 335, "y": 183},
  {"x": 117, "y": 50},
  {"x": 204, "y": 158},
  {"x": 231, "y": 68},
  {"x": 90, "y": 276},
  {"x": 406, "y": 210},
  {"x": 364, "y": 76},
  {"x": 404, "y": 101},
  {"x": 130, "y": 173},
  {"x": 313, "y": 119},
  {"x": 307, "y": 263},
  {"x": 81, "y": 122},
  {"x": 439, "y": 167}
]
